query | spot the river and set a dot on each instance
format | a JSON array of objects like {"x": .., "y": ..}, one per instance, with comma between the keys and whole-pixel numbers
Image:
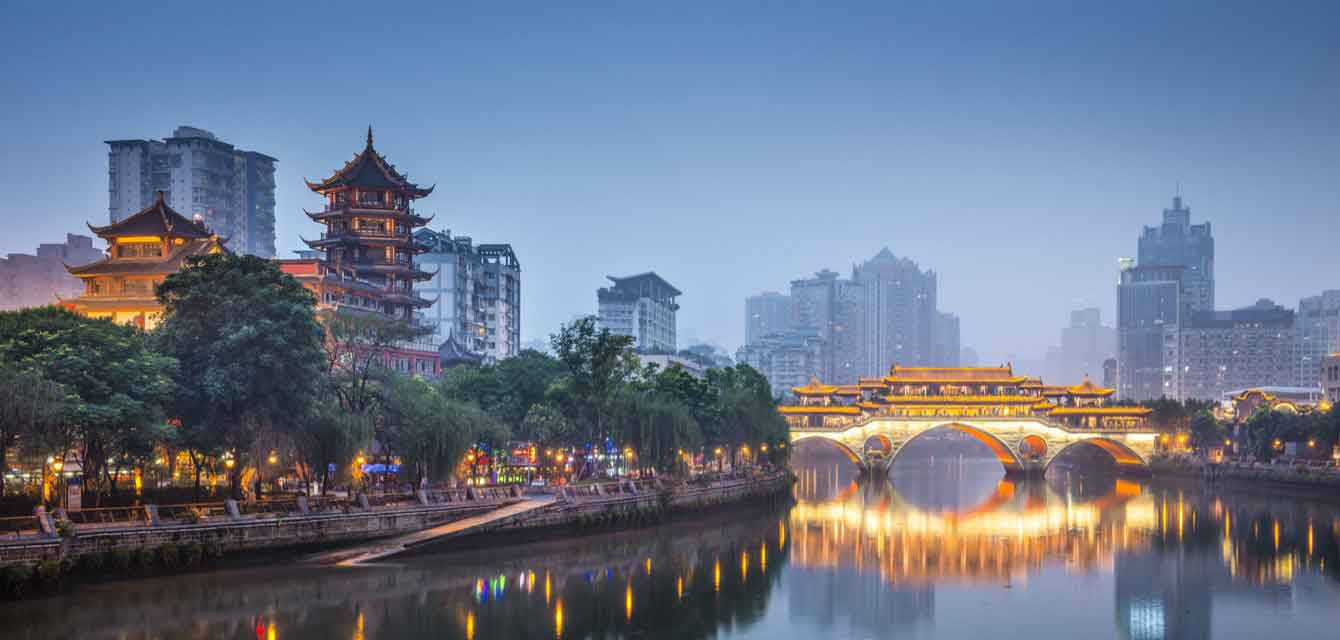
[{"x": 947, "y": 549}]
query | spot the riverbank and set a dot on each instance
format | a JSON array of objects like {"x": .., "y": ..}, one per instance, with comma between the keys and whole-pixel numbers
[
  {"x": 1302, "y": 481},
  {"x": 37, "y": 562}
]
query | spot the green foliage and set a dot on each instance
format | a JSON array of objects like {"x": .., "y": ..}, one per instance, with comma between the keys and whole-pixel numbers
[
  {"x": 249, "y": 346},
  {"x": 120, "y": 559},
  {"x": 47, "y": 573},
  {"x": 328, "y": 435},
  {"x": 1206, "y": 431},
  {"x": 429, "y": 431},
  {"x": 354, "y": 350},
  {"x": 145, "y": 557},
  {"x": 92, "y": 562},
  {"x": 1266, "y": 427},
  {"x": 169, "y": 555},
  {"x": 65, "y": 528},
  {"x": 29, "y": 403},
  {"x": 113, "y": 384},
  {"x": 15, "y": 579},
  {"x": 598, "y": 364},
  {"x": 192, "y": 554}
]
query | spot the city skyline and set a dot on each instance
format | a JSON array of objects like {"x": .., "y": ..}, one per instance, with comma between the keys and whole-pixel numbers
[{"x": 785, "y": 141}]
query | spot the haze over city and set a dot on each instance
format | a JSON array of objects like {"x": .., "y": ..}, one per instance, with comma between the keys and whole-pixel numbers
[{"x": 1015, "y": 151}]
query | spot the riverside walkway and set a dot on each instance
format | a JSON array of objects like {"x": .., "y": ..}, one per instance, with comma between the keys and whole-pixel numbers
[{"x": 383, "y": 549}]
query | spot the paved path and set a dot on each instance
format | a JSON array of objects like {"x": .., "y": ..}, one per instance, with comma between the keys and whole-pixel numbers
[{"x": 383, "y": 549}]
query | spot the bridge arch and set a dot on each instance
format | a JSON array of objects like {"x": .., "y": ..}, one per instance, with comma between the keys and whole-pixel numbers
[
  {"x": 840, "y": 445},
  {"x": 1002, "y": 451},
  {"x": 1123, "y": 455}
]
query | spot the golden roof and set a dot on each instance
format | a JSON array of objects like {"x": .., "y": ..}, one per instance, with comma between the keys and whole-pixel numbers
[
  {"x": 842, "y": 410},
  {"x": 987, "y": 400},
  {"x": 1101, "y": 411},
  {"x": 1088, "y": 388},
  {"x": 1002, "y": 374},
  {"x": 815, "y": 388},
  {"x": 848, "y": 390}
]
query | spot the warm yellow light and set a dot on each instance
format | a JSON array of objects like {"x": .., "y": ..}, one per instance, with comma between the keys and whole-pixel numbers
[
  {"x": 229, "y": 463},
  {"x": 270, "y": 632},
  {"x": 763, "y": 448},
  {"x": 558, "y": 619},
  {"x": 137, "y": 239},
  {"x": 716, "y": 575},
  {"x": 360, "y": 460},
  {"x": 1311, "y": 443},
  {"x": 470, "y": 625},
  {"x": 718, "y": 450},
  {"x": 628, "y": 602},
  {"x": 57, "y": 466},
  {"x": 274, "y": 459}
]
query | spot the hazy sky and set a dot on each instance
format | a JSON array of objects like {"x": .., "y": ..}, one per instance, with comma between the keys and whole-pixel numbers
[{"x": 731, "y": 146}]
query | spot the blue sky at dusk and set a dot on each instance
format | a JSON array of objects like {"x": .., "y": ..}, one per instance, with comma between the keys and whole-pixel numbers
[{"x": 734, "y": 146}]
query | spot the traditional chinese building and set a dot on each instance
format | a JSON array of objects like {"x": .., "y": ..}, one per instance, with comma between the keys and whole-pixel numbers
[
  {"x": 142, "y": 250},
  {"x": 368, "y": 247},
  {"x": 964, "y": 392}
]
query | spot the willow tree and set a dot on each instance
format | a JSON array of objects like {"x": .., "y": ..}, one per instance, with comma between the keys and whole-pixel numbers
[
  {"x": 249, "y": 347},
  {"x": 429, "y": 432},
  {"x": 29, "y": 403}
]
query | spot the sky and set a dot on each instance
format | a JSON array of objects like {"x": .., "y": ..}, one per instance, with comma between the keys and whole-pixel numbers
[{"x": 1014, "y": 148}]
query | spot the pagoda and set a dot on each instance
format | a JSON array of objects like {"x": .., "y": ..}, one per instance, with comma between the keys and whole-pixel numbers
[
  {"x": 142, "y": 250},
  {"x": 363, "y": 263},
  {"x": 369, "y": 241}
]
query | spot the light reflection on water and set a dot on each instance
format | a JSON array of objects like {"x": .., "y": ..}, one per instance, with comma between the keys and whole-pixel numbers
[{"x": 951, "y": 549}]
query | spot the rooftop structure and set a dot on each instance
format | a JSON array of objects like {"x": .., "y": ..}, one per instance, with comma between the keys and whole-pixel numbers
[
  {"x": 142, "y": 250},
  {"x": 643, "y": 307}
]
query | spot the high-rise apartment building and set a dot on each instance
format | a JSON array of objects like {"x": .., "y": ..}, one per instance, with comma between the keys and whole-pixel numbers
[
  {"x": 1172, "y": 277},
  {"x": 788, "y": 359},
  {"x": 1330, "y": 377},
  {"x": 946, "y": 352},
  {"x": 643, "y": 307},
  {"x": 1211, "y": 352},
  {"x": 1317, "y": 329},
  {"x": 231, "y": 190},
  {"x": 1148, "y": 300},
  {"x": 37, "y": 279},
  {"x": 476, "y": 293},
  {"x": 1085, "y": 344},
  {"x": 900, "y": 313},
  {"x": 765, "y": 313}
]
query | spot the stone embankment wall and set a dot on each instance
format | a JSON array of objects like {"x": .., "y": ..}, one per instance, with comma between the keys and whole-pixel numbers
[
  {"x": 230, "y": 535},
  {"x": 624, "y": 498},
  {"x": 1280, "y": 476}
]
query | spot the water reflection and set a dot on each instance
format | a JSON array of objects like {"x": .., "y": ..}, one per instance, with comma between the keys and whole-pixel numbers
[{"x": 951, "y": 549}]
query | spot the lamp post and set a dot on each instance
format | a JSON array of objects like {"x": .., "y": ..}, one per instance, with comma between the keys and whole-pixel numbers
[{"x": 56, "y": 466}]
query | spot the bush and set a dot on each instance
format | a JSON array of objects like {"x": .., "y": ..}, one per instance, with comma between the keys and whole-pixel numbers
[
  {"x": 144, "y": 557},
  {"x": 47, "y": 573},
  {"x": 93, "y": 562},
  {"x": 65, "y": 528},
  {"x": 120, "y": 559},
  {"x": 192, "y": 554},
  {"x": 14, "y": 580},
  {"x": 169, "y": 555}
]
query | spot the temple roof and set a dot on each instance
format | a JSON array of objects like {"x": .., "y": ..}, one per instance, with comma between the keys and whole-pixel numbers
[
  {"x": 157, "y": 219},
  {"x": 171, "y": 263},
  {"x": 1088, "y": 388},
  {"x": 842, "y": 410},
  {"x": 1101, "y": 411},
  {"x": 1001, "y": 374},
  {"x": 369, "y": 169},
  {"x": 815, "y": 388}
]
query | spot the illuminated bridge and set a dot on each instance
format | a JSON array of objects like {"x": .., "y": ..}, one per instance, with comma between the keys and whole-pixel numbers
[{"x": 1024, "y": 422}]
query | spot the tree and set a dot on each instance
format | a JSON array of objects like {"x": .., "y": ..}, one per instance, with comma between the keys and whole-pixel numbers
[
  {"x": 249, "y": 346},
  {"x": 1206, "y": 431},
  {"x": 28, "y": 403},
  {"x": 429, "y": 432},
  {"x": 327, "y": 437},
  {"x": 115, "y": 385},
  {"x": 597, "y": 364},
  {"x": 355, "y": 348}
]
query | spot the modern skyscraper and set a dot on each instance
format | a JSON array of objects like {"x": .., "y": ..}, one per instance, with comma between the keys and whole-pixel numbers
[
  {"x": 1317, "y": 329},
  {"x": 231, "y": 190},
  {"x": 1211, "y": 352},
  {"x": 765, "y": 313},
  {"x": 1174, "y": 276},
  {"x": 1085, "y": 344},
  {"x": 642, "y": 306},
  {"x": 476, "y": 293},
  {"x": 1148, "y": 300},
  {"x": 900, "y": 313},
  {"x": 1178, "y": 243}
]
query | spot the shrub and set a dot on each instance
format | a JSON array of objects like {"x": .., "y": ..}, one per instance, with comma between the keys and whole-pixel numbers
[
  {"x": 120, "y": 559},
  {"x": 14, "y": 580},
  {"x": 192, "y": 554},
  {"x": 47, "y": 572},
  {"x": 93, "y": 562},
  {"x": 144, "y": 557},
  {"x": 65, "y": 528},
  {"x": 169, "y": 555}
]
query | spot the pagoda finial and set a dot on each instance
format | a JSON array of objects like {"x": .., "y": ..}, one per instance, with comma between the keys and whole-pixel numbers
[{"x": 369, "y": 136}]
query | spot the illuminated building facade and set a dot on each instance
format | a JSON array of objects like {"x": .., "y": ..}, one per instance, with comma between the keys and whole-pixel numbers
[
  {"x": 475, "y": 292},
  {"x": 1211, "y": 352},
  {"x": 1023, "y": 421},
  {"x": 1317, "y": 333},
  {"x": 142, "y": 250},
  {"x": 368, "y": 248}
]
